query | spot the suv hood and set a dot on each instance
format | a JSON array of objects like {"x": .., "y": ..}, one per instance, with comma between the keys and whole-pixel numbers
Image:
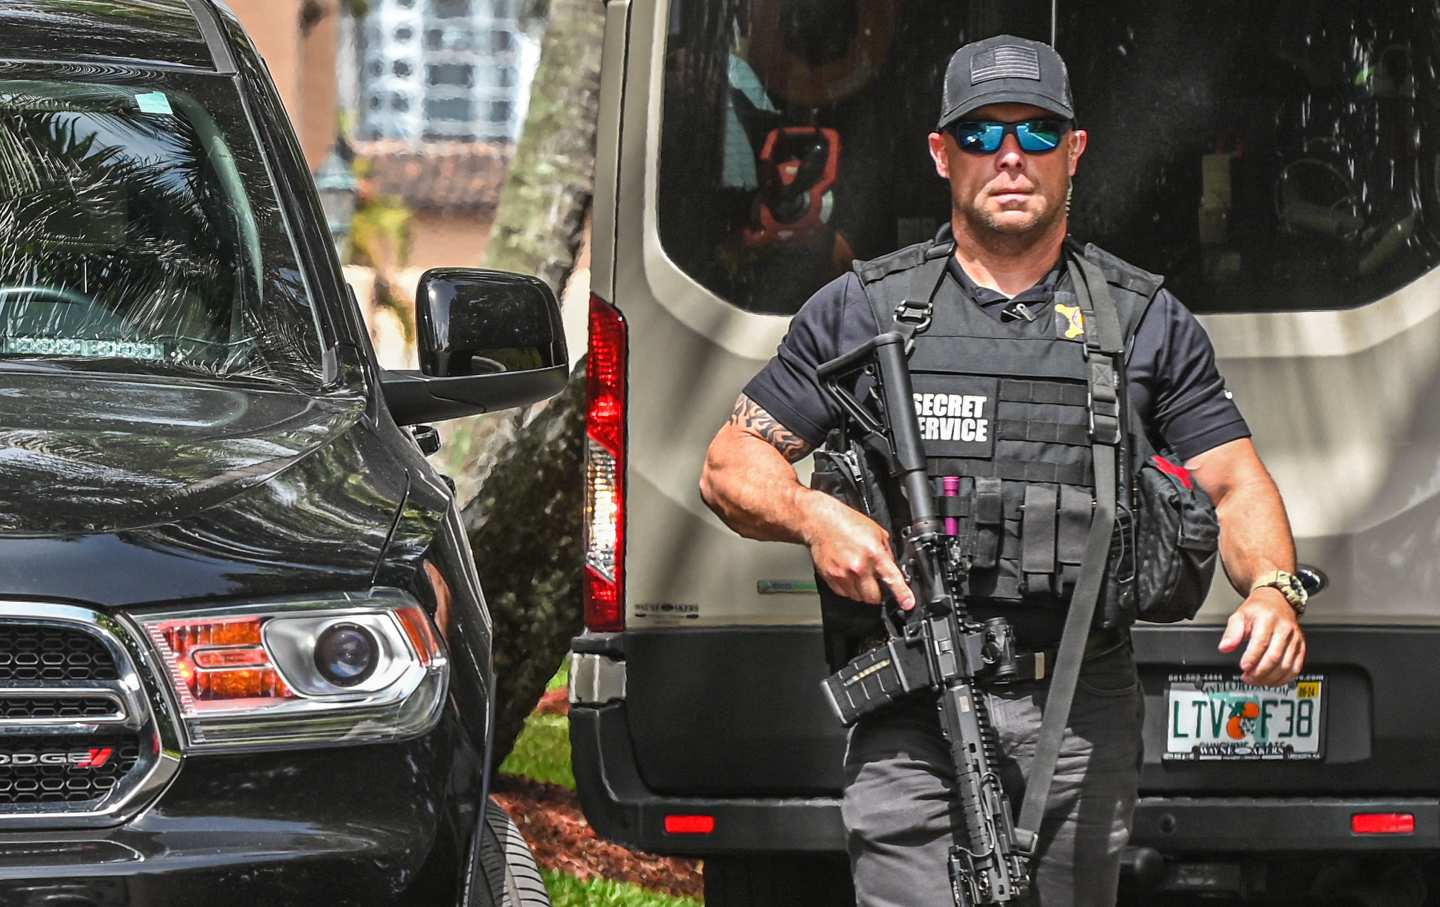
[
  {"x": 122, "y": 493},
  {"x": 83, "y": 454}
]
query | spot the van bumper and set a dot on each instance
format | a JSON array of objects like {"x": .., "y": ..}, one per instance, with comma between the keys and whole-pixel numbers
[
  {"x": 1245, "y": 824},
  {"x": 620, "y": 807}
]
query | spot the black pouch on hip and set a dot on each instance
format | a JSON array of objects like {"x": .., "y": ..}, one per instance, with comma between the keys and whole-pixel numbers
[
  {"x": 842, "y": 472},
  {"x": 1177, "y": 539}
]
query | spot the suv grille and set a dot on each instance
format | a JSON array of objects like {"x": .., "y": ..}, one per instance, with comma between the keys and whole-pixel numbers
[
  {"x": 26, "y": 780},
  {"x": 78, "y": 742},
  {"x": 30, "y": 653},
  {"x": 59, "y": 707}
]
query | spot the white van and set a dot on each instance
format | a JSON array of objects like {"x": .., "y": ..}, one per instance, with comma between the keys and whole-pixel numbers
[{"x": 1279, "y": 162}]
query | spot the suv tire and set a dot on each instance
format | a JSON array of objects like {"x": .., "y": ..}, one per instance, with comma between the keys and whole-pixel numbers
[
  {"x": 502, "y": 870},
  {"x": 761, "y": 880}
]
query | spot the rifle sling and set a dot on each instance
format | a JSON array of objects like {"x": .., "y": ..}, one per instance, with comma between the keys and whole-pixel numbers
[{"x": 1107, "y": 344}]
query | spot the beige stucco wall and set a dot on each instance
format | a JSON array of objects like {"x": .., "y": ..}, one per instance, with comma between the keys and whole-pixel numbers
[
  {"x": 448, "y": 240},
  {"x": 303, "y": 64},
  {"x": 320, "y": 87}
]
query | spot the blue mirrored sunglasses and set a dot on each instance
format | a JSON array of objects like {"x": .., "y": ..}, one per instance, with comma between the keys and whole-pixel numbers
[{"x": 986, "y": 136}]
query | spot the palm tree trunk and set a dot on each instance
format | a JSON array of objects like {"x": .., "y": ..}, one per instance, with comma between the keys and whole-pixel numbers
[
  {"x": 547, "y": 191},
  {"x": 524, "y": 522}
]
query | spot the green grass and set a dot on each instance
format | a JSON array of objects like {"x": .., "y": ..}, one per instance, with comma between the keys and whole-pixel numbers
[
  {"x": 568, "y": 891},
  {"x": 542, "y": 752},
  {"x": 561, "y": 678}
]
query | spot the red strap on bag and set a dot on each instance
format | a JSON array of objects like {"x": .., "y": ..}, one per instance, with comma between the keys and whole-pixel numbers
[{"x": 1174, "y": 469}]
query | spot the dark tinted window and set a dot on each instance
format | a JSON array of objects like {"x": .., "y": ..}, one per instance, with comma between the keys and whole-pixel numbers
[
  {"x": 457, "y": 74},
  {"x": 160, "y": 30},
  {"x": 1263, "y": 156},
  {"x": 457, "y": 109},
  {"x": 138, "y": 231},
  {"x": 450, "y": 9}
]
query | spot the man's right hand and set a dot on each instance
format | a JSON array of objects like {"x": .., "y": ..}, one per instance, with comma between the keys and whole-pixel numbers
[
  {"x": 852, "y": 552},
  {"x": 749, "y": 483}
]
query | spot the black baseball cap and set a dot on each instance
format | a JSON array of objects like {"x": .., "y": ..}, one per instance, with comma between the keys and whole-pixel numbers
[{"x": 1005, "y": 70}]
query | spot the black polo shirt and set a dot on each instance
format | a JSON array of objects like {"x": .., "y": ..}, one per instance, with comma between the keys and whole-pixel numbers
[{"x": 1174, "y": 385}]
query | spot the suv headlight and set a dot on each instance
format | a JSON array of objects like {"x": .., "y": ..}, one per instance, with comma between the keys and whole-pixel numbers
[{"x": 343, "y": 668}]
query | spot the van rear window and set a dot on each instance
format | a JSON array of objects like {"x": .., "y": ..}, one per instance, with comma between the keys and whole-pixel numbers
[{"x": 1264, "y": 157}]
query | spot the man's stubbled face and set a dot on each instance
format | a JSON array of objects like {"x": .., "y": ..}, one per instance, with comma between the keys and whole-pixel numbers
[{"x": 1010, "y": 192}]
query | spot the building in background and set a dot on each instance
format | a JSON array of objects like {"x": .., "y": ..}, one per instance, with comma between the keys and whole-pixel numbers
[
  {"x": 443, "y": 70},
  {"x": 450, "y": 189},
  {"x": 430, "y": 96},
  {"x": 300, "y": 41},
  {"x": 438, "y": 91}
]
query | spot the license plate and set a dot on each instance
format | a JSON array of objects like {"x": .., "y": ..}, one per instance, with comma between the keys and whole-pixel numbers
[{"x": 1218, "y": 716}]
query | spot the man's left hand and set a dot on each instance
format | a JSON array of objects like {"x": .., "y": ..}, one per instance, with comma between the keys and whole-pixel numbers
[{"x": 1276, "y": 653}]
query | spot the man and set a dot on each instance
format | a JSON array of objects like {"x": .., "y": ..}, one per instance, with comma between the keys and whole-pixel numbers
[{"x": 1007, "y": 145}]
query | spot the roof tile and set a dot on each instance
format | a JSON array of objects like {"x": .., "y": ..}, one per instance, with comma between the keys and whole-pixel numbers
[{"x": 437, "y": 176}]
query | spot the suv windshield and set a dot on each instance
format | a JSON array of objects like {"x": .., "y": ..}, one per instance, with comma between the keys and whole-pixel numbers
[
  {"x": 139, "y": 232},
  {"x": 1263, "y": 156}
]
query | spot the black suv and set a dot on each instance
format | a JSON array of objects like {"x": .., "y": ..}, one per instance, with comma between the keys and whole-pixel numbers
[{"x": 244, "y": 655}]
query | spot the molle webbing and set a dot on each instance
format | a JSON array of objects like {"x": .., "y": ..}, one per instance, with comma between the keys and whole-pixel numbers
[
  {"x": 1047, "y": 473},
  {"x": 1042, "y": 431},
  {"x": 1014, "y": 390},
  {"x": 1043, "y": 532}
]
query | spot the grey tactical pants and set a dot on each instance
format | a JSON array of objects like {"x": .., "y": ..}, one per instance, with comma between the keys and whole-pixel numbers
[{"x": 898, "y": 797}]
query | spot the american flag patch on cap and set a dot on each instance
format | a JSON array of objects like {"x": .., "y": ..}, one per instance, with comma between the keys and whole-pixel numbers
[{"x": 1008, "y": 61}]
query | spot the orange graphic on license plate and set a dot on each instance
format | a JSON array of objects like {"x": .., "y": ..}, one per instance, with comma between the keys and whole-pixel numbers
[{"x": 1242, "y": 719}]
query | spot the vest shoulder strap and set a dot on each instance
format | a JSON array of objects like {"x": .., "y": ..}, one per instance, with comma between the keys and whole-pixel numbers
[
  {"x": 901, "y": 260},
  {"x": 1132, "y": 288},
  {"x": 886, "y": 282}
]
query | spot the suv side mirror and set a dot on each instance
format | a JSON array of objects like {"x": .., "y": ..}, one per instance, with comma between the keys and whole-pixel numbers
[{"x": 489, "y": 340}]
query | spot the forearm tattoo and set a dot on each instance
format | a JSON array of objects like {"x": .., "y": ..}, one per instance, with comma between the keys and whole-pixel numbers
[{"x": 751, "y": 417}]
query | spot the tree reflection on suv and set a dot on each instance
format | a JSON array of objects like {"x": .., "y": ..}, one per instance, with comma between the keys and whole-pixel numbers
[{"x": 140, "y": 229}]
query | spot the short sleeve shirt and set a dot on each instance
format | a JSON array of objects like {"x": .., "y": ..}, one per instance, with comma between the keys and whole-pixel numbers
[{"x": 1175, "y": 387}]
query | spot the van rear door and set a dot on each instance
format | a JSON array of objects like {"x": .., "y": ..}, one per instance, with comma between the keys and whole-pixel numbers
[{"x": 1280, "y": 166}]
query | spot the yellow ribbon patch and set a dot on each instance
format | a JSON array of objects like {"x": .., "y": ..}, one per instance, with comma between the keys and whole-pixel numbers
[{"x": 1074, "y": 321}]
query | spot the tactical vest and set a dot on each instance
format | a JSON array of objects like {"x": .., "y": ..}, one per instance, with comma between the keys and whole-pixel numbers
[{"x": 1005, "y": 412}]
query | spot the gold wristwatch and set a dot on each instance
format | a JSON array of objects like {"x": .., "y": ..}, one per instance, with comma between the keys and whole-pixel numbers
[{"x": 1289, "y": 585}]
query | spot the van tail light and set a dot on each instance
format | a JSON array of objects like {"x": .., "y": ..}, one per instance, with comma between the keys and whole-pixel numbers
[
  {"x": 605, "y": 392},
  {"x": 689, "y": 825},
  {"x": 1382, "y": 823}
]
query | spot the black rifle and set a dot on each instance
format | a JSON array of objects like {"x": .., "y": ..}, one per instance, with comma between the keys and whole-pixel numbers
[{"x": 936, "y": 645}]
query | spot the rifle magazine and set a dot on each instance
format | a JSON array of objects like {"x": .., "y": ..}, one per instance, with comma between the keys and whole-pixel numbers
[{"x": 874, "y": 679}]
